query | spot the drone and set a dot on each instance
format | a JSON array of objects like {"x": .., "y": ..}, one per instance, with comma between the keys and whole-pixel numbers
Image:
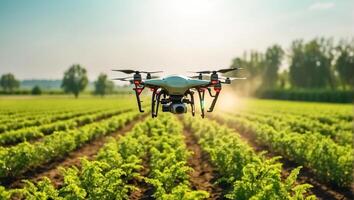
[{"x": 175, "y": 92}]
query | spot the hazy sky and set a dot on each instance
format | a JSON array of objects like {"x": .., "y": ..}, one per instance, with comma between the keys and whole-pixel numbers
[{"x": 42, "y": 38}]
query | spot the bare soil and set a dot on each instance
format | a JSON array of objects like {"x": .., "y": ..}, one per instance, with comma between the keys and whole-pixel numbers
[
  {"x": 203, "y": 175},
  {"x": 321, "y": 190},
  {"x": 52, "y": 169}
]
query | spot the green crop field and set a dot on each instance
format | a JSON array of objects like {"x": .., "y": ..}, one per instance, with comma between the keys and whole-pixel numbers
[{"x": 102, "y": 148}]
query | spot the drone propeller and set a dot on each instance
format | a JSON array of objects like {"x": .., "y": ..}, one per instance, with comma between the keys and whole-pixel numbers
[
  {"x": 129, "y": 71},
  {"x": 128, "y": 79},
  {"x": 193, "y": 76},
  {"x": 218, "y": 71},
  {"x": 122, "y": 79},
  {"x": 233, "y": 78},
  {"x": 222, "y": 77}
]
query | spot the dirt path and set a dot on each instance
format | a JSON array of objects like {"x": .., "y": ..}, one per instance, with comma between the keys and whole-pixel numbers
[
  {"x": 320, "y": 190},
  {"x": 204, "y": 175},
  {"x": 51, "y": 170}
]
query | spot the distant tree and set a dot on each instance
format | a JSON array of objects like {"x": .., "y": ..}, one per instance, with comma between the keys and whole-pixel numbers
[
  {"x": 273, "y": 59},
  {"x": 36, "y": 90},
  {"x": 345, "y": 63},
  {"x": 8, "y": 82},
  {"x": 283, "y": 79},
  {"x": 310, "y": 65},
  {"x": 253, "y": 65},
  {"x": 75, "y": 80},
  {"x": 103, "y": 86}
]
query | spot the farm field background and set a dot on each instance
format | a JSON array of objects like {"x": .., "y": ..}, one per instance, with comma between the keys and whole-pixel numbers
[{"x": 102, "y": 148}]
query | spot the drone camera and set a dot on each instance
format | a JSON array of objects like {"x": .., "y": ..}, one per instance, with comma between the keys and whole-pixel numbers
[{"x": 178, "y": 108}]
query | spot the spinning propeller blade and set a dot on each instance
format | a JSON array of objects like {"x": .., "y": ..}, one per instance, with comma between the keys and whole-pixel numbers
[
  {"x": 122, "y": 79},
  {"x": 155, "y": 72},
  {"x": 227, "y": 70},
  {"x": 237, "y": 78},
  {"x": 217, "y": 71},
  {"x": 129, "y": 71},
  {"x": 193, "y": 76}
]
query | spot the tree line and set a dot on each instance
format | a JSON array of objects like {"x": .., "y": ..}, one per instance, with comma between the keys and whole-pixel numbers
[
  {"x": 75, "y": 81},
  {"x": 317, "y": 64}
]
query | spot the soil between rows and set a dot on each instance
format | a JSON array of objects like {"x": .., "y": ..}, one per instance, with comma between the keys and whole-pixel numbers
[
  {"x": 144, "y": 190},
  {"x": 321, "y": 190},
  {"x": 51, "y": 170},
  {"x": 203, "y": 175}
]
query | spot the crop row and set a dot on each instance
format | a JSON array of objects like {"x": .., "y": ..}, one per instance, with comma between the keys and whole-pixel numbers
[
  {"x": 24, "y": 134},
  {"x": 342, "y": 135},
  {"x": 249, "y": 175},
  {"x": 316, "y": 118},
  {"x": 11, "y": 120},
  {"x": 17, "y": 159},
  {"x": 118, "y": 163},
  {"x": 14, "y": 116},
  {"x": 43, "y": 119},
  {"x": 107, "y": 177},
  {"x": 328, "y": 160},
  {"x": 169, "y": 172},
  {"x": 43, "y": 112},
  {"x": 330, "y": 114}
]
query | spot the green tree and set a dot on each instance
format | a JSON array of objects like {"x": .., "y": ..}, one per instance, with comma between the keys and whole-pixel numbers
[
  {"x": 345, "y": 63},
  {"x": 283, "y": 79},
  {"x": 75, "y": 80},
  {"x": 8, "y": 82},
  {"x": 310, "y": 65},
  {"x": 253, "y": 65},
  {"x": 273, "y": 59},
  {"x": 36, "y": 90},
  {"x": 103, "y": 85}
]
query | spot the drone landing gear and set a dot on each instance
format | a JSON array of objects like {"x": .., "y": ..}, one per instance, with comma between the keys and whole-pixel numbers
[
  {"x": 156, "y": 99},
  {"x": 138, "y": 91},
  {"x": 201, "y": 93},
  {"x": 214, "y": 100},
  {"x": 191, "y": 101},
  {"x": 153, "y": 102}
]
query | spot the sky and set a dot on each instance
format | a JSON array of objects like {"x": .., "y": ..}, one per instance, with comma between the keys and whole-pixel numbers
[{"x": 40, "y": 39}]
